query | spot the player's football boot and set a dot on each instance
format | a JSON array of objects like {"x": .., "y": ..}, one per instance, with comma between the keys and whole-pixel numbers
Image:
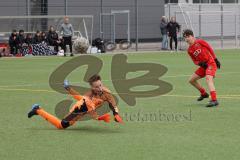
[
  {"x": 212, "y": 104},
  {"x": 33, "y": 112},
  {"x": 202, "y": 97}
]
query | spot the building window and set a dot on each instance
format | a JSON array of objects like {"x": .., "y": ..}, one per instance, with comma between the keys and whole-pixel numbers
[
  {"x": 171, "y": 1},
  {"x": 196, "y": 1},
  {"x": 214, "y": 1},
  {"x": 229, "y": 1},
  {"x": 200, "y": 1}
]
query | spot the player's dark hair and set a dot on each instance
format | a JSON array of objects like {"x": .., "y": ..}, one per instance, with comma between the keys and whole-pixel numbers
[
  {"x": 94, "y": 78},
  {"x": 188, "y": 32},
  {"x": 21, "y": 31}
]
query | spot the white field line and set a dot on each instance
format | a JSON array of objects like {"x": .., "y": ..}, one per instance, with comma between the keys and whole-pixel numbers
[
  {"x": 170, "y": 76},
  {"x": 235, "y": 97}
]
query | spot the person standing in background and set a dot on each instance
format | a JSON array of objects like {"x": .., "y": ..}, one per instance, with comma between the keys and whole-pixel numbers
[
  {"x": 173, "y": 29},
  {"x": 37, "y": 38},
  {"x": 29, "y": 39},
  {"x": 54, "y": 40},
  {"x": 163, "y": 28},
  {"x": 20, "y": 39},
  {"x": 44, "y": 38},
  {"x": 13, "y": 43},
  {"x": 67, "y": 32}
]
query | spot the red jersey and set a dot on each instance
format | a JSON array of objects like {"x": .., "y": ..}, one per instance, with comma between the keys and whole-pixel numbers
[{"x": 201, "y": 51}]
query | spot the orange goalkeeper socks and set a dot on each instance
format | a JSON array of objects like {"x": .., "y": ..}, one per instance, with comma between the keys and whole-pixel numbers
[{"x": 50, "y": 118}]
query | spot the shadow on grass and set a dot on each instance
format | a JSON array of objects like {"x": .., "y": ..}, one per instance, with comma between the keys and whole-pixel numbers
[{"x": 85, "y": 129}]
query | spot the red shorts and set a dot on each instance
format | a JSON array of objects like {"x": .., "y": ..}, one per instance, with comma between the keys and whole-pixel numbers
[{"x": 211, "y": 70}]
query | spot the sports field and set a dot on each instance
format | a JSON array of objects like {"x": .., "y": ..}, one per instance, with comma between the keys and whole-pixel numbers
[{"x": 186, "y": 131}]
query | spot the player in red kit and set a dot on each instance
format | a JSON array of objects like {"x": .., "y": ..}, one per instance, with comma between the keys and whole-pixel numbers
[{"x": 203, "y": 56}]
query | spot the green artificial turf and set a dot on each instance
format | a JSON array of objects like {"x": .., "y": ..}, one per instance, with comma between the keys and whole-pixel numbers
[{"x": 186, "y": 131}]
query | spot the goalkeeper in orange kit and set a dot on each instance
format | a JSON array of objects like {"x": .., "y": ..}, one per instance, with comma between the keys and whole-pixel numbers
[{"x": 86, "y": 104}]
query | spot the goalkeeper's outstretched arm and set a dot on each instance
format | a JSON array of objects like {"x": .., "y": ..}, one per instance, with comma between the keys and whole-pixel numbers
[
  {"x": 76, "y": 95},
  {"x": 114, "y": 108}
]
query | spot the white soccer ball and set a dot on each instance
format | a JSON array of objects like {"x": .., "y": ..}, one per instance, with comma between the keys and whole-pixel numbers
[
  {"x": 61, "y": 53},
  {"x": 81, "y": 45}
]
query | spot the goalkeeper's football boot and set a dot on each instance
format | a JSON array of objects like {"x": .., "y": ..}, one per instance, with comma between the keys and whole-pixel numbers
[
  {"x": 33, "y": 112},
  {"x": 66, "y": 84},
  {"x": 212, "y": 104},
  {"x": 202, "y": 97}
]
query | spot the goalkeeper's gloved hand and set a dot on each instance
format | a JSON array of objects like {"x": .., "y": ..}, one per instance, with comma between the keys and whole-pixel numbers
[
  {"x": 217, "y": 63},
  {"x": 66, "y": 84},
  {"x": 117, "y": 118},
  {"x": 203, "y": 65}
]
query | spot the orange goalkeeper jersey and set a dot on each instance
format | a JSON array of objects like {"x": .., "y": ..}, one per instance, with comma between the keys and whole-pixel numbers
[
  {"x": 94, "y": 100},
  {"x": 99, "y": 99}
]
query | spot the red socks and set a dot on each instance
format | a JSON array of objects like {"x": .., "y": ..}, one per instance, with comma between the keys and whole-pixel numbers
[
  {"x": 213, "y": 95},
  {"x": 202, "y": 91}
]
